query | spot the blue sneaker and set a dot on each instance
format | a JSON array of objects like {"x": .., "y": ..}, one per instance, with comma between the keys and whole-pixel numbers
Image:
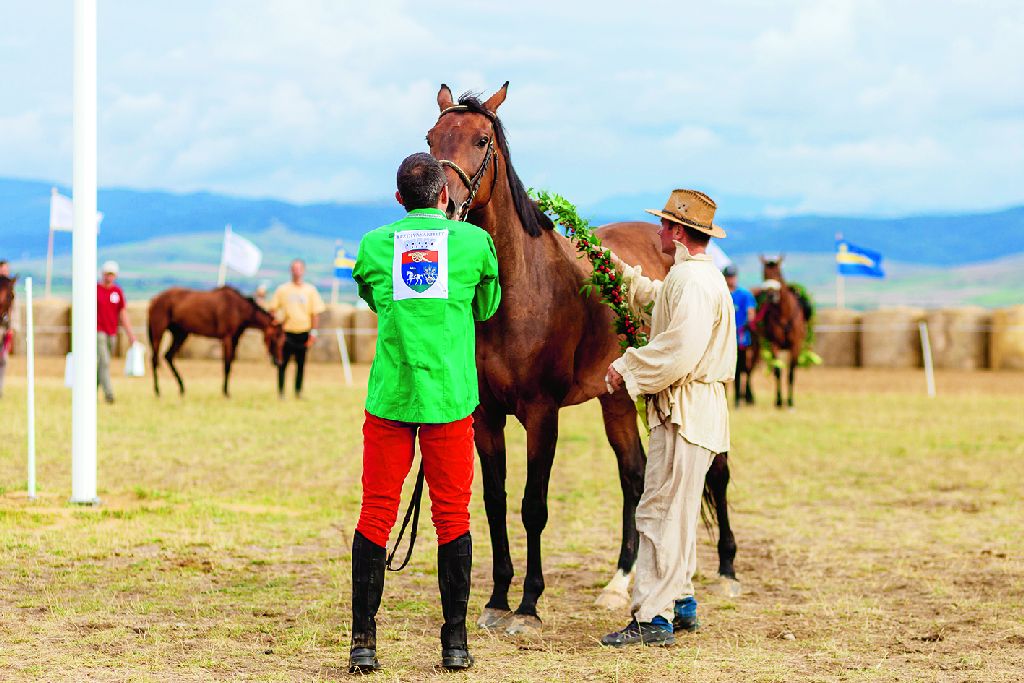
[
  {"x": 656, "y": 632},
  {"x": 685, "y": 615}
]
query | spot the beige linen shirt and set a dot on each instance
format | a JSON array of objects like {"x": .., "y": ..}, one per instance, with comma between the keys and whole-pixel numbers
[{"x": 692, "y": 350}]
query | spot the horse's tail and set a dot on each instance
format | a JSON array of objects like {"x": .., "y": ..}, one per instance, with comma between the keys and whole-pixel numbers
[{"x": 708, "y": 513}]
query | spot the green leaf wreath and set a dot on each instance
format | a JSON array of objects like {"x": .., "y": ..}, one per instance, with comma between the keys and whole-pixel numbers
[{"x": 603, "y": 278}]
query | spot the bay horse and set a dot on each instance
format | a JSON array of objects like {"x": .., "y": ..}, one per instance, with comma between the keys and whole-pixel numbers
[
  {"x": 783, "y": 323},
  {"x": 7, "y": 287},
  {"x": 223, "y": 313},
  {"x": 547, "y": 347}
]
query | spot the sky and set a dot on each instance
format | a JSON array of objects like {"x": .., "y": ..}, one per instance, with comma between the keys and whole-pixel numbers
[{"x": 871, "y": 107}]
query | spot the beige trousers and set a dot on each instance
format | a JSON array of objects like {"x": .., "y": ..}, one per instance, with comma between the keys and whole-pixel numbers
[{"x": 667, "y": 519}]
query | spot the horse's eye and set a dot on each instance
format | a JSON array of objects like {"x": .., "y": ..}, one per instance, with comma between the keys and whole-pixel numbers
[{"x": 482, "y": 142}]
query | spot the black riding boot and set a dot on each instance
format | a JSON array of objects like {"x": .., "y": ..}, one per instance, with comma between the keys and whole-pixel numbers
[
  {"x": 367, "y": 587},
  {"x": 454, "y": 564}
]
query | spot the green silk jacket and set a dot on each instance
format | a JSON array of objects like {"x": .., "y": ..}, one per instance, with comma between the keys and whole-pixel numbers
[{"x": 428, "y": 279}]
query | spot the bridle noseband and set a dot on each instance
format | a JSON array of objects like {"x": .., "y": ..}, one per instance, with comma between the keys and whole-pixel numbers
[{"x": 472, "y": 184}]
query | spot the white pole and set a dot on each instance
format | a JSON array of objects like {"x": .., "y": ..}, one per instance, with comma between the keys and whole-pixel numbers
[
  {"x": 346, "y": 366},
  {"x": 926, "y": 354},
  {"x": 30, "y": 382},
  {"x": 49, "y": 263},
  {"x": 83, "y": 348},
  {"x": 222, "y": 274}
]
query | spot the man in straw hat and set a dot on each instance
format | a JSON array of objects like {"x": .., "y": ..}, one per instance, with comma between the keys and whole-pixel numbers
[{"x": 682, "y": 374}]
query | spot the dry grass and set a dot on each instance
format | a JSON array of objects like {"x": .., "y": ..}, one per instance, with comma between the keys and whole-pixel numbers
[{"x": 879, "y": 531}]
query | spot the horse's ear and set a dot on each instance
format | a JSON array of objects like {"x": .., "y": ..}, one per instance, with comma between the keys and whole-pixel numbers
[
  {"x": 779, "y": 260},
  {"x": 764, "y": 261},
  {"x": 444, "y": 97},
  {"x": 495, "y": 100}
]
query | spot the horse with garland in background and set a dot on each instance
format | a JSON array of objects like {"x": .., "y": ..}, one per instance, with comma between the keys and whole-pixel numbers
[
  {"x": 546, "y": 348},
  {"x": 784, "y": 323}
]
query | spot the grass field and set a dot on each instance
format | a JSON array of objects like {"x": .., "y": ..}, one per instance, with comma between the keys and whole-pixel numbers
[{"x": 880, "y": 538}]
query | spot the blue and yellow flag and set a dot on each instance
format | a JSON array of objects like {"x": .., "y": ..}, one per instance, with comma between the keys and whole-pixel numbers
[
  {"x": 343, "y": 265},
  {"x": 854, "y": 261}
]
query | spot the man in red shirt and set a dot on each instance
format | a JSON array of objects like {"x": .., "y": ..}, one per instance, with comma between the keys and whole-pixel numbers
[{"x": 110, "y": 309}]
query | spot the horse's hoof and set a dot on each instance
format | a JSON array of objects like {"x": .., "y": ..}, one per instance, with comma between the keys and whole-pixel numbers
[
  {"x": 524, "y": 625},
  {"x": 612, "y": 600},
  {"x": 728, "y": 588},
  {"x": 493, "y": 619}
]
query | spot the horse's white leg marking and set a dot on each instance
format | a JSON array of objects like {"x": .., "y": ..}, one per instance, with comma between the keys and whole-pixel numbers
[{"x": 615, "y": 595}]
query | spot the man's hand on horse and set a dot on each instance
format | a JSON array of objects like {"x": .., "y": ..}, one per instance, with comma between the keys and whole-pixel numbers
[{"x": 613, "y": 380}]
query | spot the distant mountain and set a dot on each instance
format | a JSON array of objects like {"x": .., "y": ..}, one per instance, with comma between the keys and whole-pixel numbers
[
  {"x": 138, "y": 215},
  {"x": 135, "y": 216}
]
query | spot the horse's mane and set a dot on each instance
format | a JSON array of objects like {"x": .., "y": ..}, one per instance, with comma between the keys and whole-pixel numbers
[{"x": 533, "y": 219}]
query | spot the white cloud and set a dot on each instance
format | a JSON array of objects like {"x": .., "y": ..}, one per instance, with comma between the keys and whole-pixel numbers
[{"x": 852, "y": 105}]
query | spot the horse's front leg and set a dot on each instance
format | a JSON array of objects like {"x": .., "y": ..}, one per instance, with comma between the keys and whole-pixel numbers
[
  {"x": 794, "y": 355},
  {"x": 624, "y": 436},
  {"x": 229, "y": 345},
  {"x": 541, "y": 421},
  {"x": 489, "y": 428},
  {"x": 777, "y": 371}
]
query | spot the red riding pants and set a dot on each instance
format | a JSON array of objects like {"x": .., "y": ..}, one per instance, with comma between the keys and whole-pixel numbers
[{"x": 388, "y": 448}]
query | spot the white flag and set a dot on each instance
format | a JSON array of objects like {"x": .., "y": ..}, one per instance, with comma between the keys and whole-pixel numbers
[
  {"x": 241, "y": 255},
  {"x": 62, "y": 212},
  {"x": 718, "y": 256}
]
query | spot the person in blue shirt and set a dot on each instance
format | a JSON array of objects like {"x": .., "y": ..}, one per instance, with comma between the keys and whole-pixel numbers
[{"x": 746, "y": 313}]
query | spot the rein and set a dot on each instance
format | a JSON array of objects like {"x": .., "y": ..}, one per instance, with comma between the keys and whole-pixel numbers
[{"x": 472, "y": 184}]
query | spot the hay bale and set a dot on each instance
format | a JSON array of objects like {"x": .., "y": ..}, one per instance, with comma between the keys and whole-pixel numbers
[
  {"x": 137, "y": 315},
  {"x": 959, "y": 337},
  {"x": 18, "y": 327},
  {"x": 1007, "y": 341},
  {"x": 52, "y": 322},
  {"x": 364, "y": 334},
  {"x": 837, "y": 337},
  {"x": 890, "y": 338},
  {"x": 336, "y": 317}
]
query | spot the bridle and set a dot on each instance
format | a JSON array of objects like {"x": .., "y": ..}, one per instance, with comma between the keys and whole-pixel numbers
[{"x": 472, "y": 183}]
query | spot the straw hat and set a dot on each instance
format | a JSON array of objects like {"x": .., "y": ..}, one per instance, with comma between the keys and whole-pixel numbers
[{"x": 693, "y": 209}]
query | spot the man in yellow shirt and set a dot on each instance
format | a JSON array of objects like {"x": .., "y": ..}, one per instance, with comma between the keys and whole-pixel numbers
[{"x": 297, "y": 305}]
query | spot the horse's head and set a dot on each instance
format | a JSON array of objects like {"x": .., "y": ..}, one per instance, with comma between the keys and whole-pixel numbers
[
  {"x": 469, "y": 140},
  {"x": 771, "y": 269},
  {"x": 6, "y": 298},
  {"x": 273, "y": 337},
  {"x": 773, "y": 289},
  {"x": 464, "y": 139}
]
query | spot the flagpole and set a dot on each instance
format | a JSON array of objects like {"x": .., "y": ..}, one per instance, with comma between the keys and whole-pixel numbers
[
  {"x": 222, "y": 275},
  {"x": 49, "y": 248},
  {"x": 840, "y": 282},
  {"x": 334, "y": 280},
  {"x": 83, "y": 276}
]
